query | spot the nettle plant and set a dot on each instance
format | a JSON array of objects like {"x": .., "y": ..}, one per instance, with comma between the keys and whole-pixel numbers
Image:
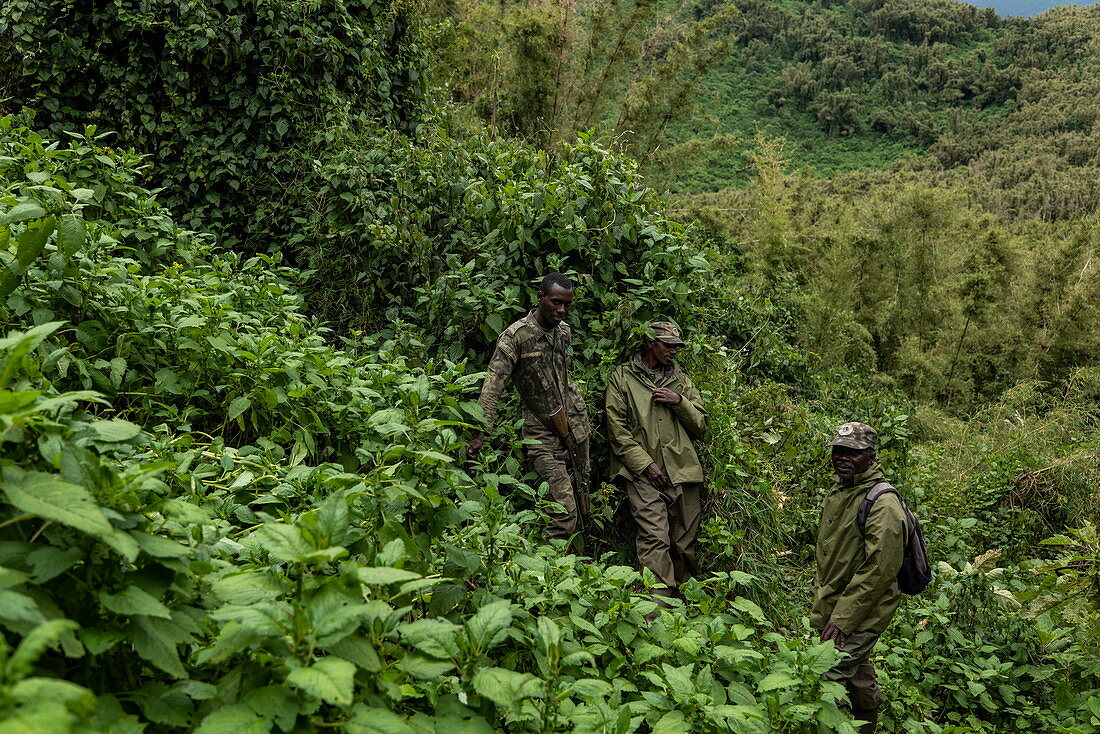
[
  {"x": 975, "y": 656},
  {"x": 455, "y": 233},
  {"x": 211, "y": 519}
]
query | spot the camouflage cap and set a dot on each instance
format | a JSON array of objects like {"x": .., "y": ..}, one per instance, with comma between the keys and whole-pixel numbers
[
  {"x": 667, "y": 332},
  {"x": 855, "y": 436}
]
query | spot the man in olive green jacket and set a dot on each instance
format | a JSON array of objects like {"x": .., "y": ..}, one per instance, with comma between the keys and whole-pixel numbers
[
  {"x": 653, "y": 413},
  {"x": 857, "y": 590}
]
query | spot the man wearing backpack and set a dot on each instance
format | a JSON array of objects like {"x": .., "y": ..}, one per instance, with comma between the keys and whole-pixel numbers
[{"x": 857, "y": 592}]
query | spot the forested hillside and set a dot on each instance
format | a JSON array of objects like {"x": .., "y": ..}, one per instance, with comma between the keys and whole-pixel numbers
[{"x": 254, "y": 254}]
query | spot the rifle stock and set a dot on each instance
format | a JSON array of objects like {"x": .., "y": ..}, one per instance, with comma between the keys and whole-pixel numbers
[{"x": 559, "y": 420}]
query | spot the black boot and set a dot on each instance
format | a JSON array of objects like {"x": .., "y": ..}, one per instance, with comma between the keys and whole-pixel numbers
[{"x": 868, "y": 715}]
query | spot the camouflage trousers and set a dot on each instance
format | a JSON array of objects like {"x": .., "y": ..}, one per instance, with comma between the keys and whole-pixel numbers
[
  {"x": 857, "y": 673},
  {"x": 551, "y": 467},
  {"x": 668, "y": 524}
]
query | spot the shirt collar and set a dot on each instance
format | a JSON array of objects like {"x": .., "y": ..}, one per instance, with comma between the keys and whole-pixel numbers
[
  {"x": 658, "y": 372},
  {"x": 864, "y": 481},
  {"x": 550, "y": 334}
]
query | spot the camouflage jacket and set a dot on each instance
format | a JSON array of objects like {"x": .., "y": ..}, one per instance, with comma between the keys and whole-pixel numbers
[
  {"x": 538, "y": 362},
  {"x": 857, "y": 585},
  {"x": 643, "y": 432}
]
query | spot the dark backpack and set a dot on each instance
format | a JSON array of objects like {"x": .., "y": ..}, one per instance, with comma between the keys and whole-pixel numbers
[{"x": 915, "y": 573}]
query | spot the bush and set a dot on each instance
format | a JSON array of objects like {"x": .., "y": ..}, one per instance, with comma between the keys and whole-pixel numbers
[{"x": 233, "y": 98}]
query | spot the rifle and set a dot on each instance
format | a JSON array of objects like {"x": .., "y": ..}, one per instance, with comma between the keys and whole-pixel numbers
[{"x": 559, "y": 422}]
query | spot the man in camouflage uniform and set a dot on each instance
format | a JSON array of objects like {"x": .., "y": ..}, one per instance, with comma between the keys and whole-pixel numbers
[
  {"x": 857, "y": 593},
  {"x": 536, "y": 352},
  {"x": 653, "y": 413}
]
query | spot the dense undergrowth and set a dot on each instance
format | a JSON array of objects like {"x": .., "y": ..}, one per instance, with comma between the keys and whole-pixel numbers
[
  {"x": 230, "y": 494},
  {"x": 252, "y": 528},
  {"x": 229, "y": 577}
]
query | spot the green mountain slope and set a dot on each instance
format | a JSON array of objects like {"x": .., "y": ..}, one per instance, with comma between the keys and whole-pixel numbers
[{"x": 850, "y": 85}]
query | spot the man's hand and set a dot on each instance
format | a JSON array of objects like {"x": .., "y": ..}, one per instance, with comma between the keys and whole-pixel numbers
[
  {"x": 834, "y": 633},
  {"x": 473, "y": 446},
  {"x": 656, "y": 476},
  {"x": 664, "y": 396}
]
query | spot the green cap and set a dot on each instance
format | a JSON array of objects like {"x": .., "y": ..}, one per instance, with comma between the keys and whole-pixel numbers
[
  {"x": 667, "y": 332},
  {"x": 855, "y": 436}
]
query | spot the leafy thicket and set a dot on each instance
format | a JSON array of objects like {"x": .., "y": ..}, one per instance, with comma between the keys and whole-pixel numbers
[
  {"x": 233, "y": 98},
  {"x": 173, "y": 409},
  {"x": 218, "y": 515},
  {"x": 455, "y": 232},
  {"x": 260, "y": 586}
]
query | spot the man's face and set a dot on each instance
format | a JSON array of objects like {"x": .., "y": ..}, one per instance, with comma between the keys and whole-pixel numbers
[
  {"x": 553, "y": 305},
  {"x": 663, "y": 354},
  {"x": 849, "y": 462}
]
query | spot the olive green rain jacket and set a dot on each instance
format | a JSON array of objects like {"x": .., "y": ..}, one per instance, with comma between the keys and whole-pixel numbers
[
  {"x": 643, "y": 432},
  {"x": 857, "y": 573}
]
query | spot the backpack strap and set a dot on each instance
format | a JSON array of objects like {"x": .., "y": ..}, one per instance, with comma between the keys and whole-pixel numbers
[{"x": 879, "y": 489}]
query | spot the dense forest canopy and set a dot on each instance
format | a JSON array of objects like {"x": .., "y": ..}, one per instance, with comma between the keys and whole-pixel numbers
[{"x": 252, "y": 256}]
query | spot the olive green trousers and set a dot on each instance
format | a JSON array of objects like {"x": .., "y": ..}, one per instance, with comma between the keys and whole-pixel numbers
[
  {"x": 857, "y": 673},
  {"x": 668, "y": 524},
  {"x": 553, "y": 470}
]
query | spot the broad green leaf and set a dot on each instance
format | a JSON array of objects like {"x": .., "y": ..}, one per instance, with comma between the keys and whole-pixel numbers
[
  {"x": 71, "y": 234},
  {"x": 263, "y": 619},
  {"x": 232, "y": 638},
  {"x": 423, "y": 667},
  {"x": 547, "y": 633},
  {"x": 238, "y": 406},
  {"x": 672, "y": 723},
  {"x": 593, "y": 687},
  {"x": 48, "y": 562},
  {"x": 9, "y": 577},
  {"x": 196, "y": 690},
  {"x": 98, "y": 642},
  {"x": 34, "y": 644},
  {"x": 122, "y": 543},
  {"x": 154, "y": 643},
  {"x": 776, "y": 680},
  {"x": 158, "y": 546},
  {"x": 13, "y": 348},
  {"x": 114, "y": 430},
  {"x": 134, "y": 601},
  {"x": 23, "y": 211},
  {"x": 248, "y": 587},
  {"x": 679, "y": 680},
  {"x": 325, "y": 555},
  {"x": 50, "y": 498},
  {"x": 330, "y": 679},
  {"x": 53, "y": 689},
  {"x": 16, "y": 607},
  {"x": 283, "y": 542},
  {"x": 278, "y": 703},
  {"x": 235, "y": 719},
  {"x": 357, "y": 650},
  {"x": 507, "y": 687},
  {"x": 645, "y": 652},
  {"x": 490, "y": 625},
  {"x": 751, "y": 608},
  {"x": 382, "y": 575},
  {"x": 31, "y": 242},
  {"x": 374, "y": 720},
  {"x": 388, "y": 416}
]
